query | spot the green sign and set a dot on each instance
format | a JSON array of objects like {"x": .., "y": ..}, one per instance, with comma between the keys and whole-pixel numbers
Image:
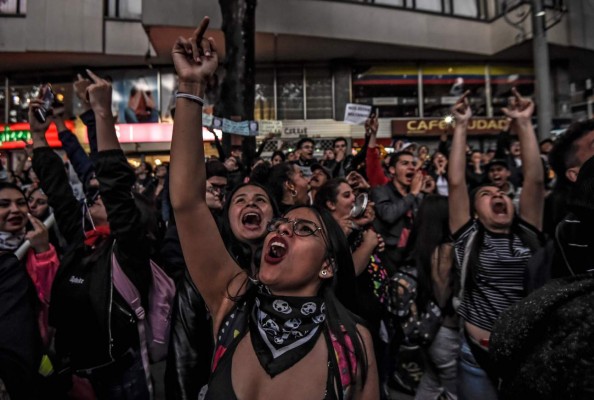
[{"x": 8, "y": 135}]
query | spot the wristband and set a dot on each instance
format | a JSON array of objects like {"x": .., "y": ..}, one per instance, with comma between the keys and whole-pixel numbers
[{"x": 189, "y": 96}]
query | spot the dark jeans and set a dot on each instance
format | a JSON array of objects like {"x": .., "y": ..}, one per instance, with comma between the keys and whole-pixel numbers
[{"x": 126, "y": 380}]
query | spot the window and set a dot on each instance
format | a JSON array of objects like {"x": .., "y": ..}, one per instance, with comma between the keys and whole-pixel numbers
[
  {"x": 264, "y": 101},
  {"x": 503, "y": 79},
  {"x": 290, "y": 93},
  {"x": 392, "y": 89},
  {"x": 15, "y": 7},
  {"x": 443, "y": 85},
  {"x": 319, "y": 93},
  {"x": 126, "y": 9}
]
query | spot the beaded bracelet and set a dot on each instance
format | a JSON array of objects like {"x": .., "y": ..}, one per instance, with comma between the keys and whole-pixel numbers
[{"x": 189, "y": 96}]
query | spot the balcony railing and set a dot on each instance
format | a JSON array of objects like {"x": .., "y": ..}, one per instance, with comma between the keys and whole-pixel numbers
[
  {"x": 484, "y": 10},
  {"x": 13, "y": 7},
  {"x": 123, "y": 9}
]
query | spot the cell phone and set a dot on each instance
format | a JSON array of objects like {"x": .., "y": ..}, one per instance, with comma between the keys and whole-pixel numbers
[{"x": 48, "y": 97}]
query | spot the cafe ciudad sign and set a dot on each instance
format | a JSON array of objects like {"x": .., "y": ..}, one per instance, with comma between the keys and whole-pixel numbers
[{"x": 437, "y": 126}]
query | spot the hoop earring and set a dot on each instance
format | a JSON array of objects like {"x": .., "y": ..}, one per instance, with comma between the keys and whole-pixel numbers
[
  {"x": 293, "y": 193},
  {"x": 324, "y": 273}
]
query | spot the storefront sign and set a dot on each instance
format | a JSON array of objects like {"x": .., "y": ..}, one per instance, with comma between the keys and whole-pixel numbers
[
  {"x": 150, "y": 133},
  {"x": 476, "y": 126},
  {"x": 14, "y": 136}
]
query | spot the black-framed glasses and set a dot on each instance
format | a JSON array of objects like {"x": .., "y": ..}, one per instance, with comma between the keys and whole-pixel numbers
[{"x": 301, "y": 227}]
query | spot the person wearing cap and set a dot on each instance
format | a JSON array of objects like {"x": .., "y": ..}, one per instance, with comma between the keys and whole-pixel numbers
[{"x": 320, "y": 175}]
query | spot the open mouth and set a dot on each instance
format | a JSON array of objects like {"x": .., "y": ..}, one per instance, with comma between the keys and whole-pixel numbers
[
  {"x": 15, "y": 220},
  {"x": 499, "y": 208},
  {"x": 409, "y": 175},
  {"x": 251, "y": 220},
  {"x": 277, "y": 249}
]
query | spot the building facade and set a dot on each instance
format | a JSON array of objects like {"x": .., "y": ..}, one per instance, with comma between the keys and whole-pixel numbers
[{"x": 409, "y": 59}]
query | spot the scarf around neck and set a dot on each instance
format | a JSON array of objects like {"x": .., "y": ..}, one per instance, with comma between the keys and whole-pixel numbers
[
  {"x": 285, "y": 329},
  {"x": 100, "y": 232},
  {"x": 11, "y": 241}
]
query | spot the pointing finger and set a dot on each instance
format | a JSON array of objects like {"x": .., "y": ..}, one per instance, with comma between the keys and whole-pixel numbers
[
  {"x": 94, "y": 77},
  {"x": 199, "y": 32}
]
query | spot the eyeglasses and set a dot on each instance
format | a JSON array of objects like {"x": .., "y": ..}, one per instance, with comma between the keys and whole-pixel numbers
[{"x": 301, "y": 227}]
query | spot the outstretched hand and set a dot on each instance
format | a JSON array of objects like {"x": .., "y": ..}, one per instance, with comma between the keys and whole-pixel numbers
[
  {"x": 371, "y": 125},
  {"x": 80, "y": 88},
  {"x": 99, "y": 95},
  {"x": 461, "y": 110},
  {"x": 195, "y": 58},
  {"x": 36, "y": 126},
  {"x": 519, "y": 107}
]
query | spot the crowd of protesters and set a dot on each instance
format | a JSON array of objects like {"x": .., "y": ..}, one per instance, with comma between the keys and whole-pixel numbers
[{"x": 446, "y": 273}]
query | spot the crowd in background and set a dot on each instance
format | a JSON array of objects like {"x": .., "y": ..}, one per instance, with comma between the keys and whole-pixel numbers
[{"x": 470, "y": 270}]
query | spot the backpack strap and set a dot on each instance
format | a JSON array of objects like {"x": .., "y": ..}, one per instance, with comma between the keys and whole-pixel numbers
[
  {"x": 130, "y": 293},
  {"x": 457, "y": 300}
]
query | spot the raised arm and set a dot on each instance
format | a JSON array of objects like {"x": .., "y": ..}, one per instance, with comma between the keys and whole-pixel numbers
[
  {"x": 53, "y": 180},
  {"x": 211, "y": 267},
  {"x": 459, "y": 203},
  {"x": 533, "y": 191}
]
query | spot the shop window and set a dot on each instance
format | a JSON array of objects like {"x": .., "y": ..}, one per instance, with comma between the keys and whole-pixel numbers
[
  {"x": 15, "y": 7},
  {"x": 318, "y": 93},
  {"x": 443, "y": 85},
  {"x": 126, "y": 9},
  {"x": 391, "y": 89},
  {"x": 466, "y": 8},
  {"x": 264, "y": 95},
  {"x": 503, "y": 79},
  {"x": 290, "y": 93}
]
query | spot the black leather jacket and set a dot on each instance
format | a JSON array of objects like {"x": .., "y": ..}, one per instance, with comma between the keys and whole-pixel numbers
[{"x": 191, "y": 345}]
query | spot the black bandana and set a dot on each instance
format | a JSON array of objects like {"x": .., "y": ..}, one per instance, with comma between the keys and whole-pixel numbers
[{"x": 285, "y": 329}]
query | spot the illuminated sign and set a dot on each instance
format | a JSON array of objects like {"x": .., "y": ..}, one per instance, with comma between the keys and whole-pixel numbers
[
  {"x": 476, "y": 126},
  {"x": 14, "y": 136},
  {"x": 150, "y": 133}
]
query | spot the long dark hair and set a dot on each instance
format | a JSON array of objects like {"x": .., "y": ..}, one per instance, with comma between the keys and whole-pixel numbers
[
  {"x": 240, "y": 251},
  {"x": 430, "y": 230},
  {"x": 339, "y": 293},
  {"x": 328, "y": 192}
]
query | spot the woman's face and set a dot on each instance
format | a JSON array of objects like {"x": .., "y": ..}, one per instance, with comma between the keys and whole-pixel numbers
[
  {"x": 291, "y": 264},
  {"x": 439, "y": 160},
  {"x": 13, "y": 211},
  {"x": 494, "y": 208},
  {"x": 277, "y": 159},
  {"x": 345, "y": 199},
  {"x": 249, "y": 212},
  {"x": 38, "y": 204},
  {"x": 301, "y": 186},
  {"x": 423, "y": 152}
]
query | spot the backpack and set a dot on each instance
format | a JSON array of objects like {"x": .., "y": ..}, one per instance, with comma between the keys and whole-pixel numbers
[{"x": 153, "y": 327}]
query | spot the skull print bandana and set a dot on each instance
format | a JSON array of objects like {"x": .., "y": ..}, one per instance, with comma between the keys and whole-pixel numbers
[{"x": 285, "y": 329}]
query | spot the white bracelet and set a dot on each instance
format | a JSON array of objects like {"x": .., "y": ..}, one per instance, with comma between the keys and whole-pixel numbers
[{"x": 189, "y": 96}]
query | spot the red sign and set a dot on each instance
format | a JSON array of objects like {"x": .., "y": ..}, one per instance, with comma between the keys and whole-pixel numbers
[
  {"x": 150, "y": 133},
  {"x": 14, "y": 136}
]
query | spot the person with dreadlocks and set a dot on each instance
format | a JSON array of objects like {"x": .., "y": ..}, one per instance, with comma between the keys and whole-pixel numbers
[
  {"x": 284, "y": 335},
  {"x": 492, "y": 243}
]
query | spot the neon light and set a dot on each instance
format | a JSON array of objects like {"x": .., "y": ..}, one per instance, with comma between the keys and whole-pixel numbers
[{"x": 13, "y": 136}]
